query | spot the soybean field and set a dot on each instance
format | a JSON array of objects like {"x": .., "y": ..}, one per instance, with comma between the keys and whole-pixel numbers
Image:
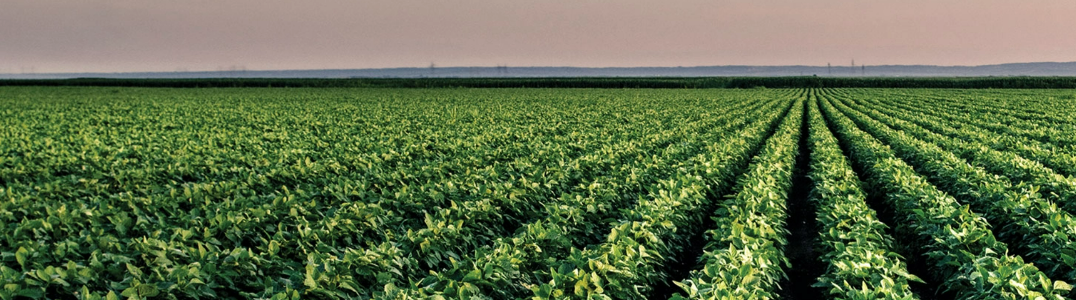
[{"x": 536, "y": 193}]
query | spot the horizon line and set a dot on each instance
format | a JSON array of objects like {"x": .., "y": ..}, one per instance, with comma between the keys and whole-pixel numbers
[{"x": 532, "y": 66}]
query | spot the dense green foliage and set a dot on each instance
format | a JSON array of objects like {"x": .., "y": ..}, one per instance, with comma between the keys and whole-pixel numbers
[
  {"x": 855, "y": 245},
  {"x": 390, "y": 193},
  {"x": 750, "y": 233},
  {"x": 965, "y": 255},
  {"x": 536, "y": 250}
]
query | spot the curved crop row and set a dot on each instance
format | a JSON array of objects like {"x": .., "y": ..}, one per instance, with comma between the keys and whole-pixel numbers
[
  {"x": 1060, "y": 136},
  {"x": 1032, "y": 105},
  {"x": 639, "y": 249},
  {"x": 244, "y": 193},
  {"x": 959, "y": 126},
  {"x": 505, "y": 269},
  {"x": 456, "y": 230},
  {"x": 965, "y": 256},
  {"x": 235, "y": 178},
  {"x": 1053, "y": 186},
  {"x": 1037, "y": 226},
  {"x": 1041, "y": 123},
  {"x": 243, "y": 220}
]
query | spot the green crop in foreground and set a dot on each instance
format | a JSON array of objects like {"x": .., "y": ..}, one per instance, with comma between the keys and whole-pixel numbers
[{"x": 357, "y": 193}]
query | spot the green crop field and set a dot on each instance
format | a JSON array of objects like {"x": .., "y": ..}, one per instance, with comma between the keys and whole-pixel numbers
[{"x": 536, "y": 193}]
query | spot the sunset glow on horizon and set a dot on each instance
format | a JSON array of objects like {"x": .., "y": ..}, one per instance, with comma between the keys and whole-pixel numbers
[{"x": 130, "y": 35}]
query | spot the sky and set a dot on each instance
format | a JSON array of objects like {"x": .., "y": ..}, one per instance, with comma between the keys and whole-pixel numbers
[{"x": 49, "y": 36}]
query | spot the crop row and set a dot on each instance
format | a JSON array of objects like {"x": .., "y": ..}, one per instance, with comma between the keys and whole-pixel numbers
[
  {"x": 456, "y": 231},
  {"x": 982, "y": 148},
  {"x": 963, "y": 126},
  {"x": 746, "y": 248},
  {"x": 859, "y": 253},
  {"x": 574, "y": 220},
  {"x": 643, "y": 245},
  {"x": 252, "y": 193},
  {"x": 962, "y": 251},
  {"x": 1056, "y": 134},
  {"x": 153, "y": 193},
  {"x": 1036, "y": 225}
]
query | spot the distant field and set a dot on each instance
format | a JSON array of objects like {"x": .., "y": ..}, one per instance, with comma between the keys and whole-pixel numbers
[
  {"x": 579, "y": 82},
  {"x": 396, "y": 193}
]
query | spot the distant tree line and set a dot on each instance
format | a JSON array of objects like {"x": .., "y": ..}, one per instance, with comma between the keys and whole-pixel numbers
[{"x": 576, "y": 82}]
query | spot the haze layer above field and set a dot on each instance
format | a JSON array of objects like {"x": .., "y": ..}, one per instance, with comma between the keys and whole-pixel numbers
[
  {"x": 1019, "y": 69},
  {"x": 60, "y": 36}
]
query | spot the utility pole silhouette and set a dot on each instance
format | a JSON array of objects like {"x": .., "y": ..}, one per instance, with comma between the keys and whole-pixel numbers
[
  {"x": 829, "y": 69},
  {"x": 853, "y": 69},
  {"x": 433, "y": 69},
  {"x": 864, "y": 69}
]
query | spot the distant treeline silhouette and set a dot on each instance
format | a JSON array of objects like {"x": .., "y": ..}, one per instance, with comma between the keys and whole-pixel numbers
[{"x": 576, "y": 82}]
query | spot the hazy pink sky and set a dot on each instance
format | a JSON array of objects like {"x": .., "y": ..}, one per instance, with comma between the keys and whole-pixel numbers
[{"x": 168, "y": 35}]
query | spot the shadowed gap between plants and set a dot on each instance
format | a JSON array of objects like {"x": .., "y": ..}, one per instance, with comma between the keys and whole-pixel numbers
[
  {"x": 802, "y": 227},
  {"x": 680, "y": 268},
  {"x": 916, "y": 264}
]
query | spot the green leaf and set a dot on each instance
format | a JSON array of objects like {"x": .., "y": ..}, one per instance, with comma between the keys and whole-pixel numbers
[
  {"x": 1061, "y": 285},
  {"x": 20, "y": 256},
  {"x": 147, "y": 290},
  {"x": 274, "y": 247},
  {"x": 581, "y": 287},
  {"x": 750, "y": 279},
  {"x": 309, "y": 282},
  {"x": 473, "y": 275},
  {"x": 131, "y": 269},
  {"x": 130, "y": 292}
]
